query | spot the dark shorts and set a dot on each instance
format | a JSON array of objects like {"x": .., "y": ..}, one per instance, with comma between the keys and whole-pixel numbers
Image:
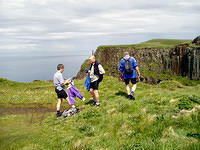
[
  {"x": 94, "y": 85},
  {"x": 133, "y": 81},
  {"x": 61, "y": 94}
]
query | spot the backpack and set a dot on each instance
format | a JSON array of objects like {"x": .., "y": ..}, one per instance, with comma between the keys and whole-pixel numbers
[
  {"x": 100, "y": 78},
  {"x": 128, "y": 67},
  {"x": 69, "y": 112}
]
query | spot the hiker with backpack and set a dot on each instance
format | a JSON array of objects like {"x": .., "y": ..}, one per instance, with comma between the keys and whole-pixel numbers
[
  {"x": 129, "y": 71},
  {"x": 96, "y": 76}
]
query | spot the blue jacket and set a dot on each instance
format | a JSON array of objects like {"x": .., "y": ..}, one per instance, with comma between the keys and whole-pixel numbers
[
  {"x": 122, "y": 68},
  {"x": 87, "y": 83}
]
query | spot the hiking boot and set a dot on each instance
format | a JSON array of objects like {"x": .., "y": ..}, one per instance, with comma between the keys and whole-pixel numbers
[
  {"x": 97, "y": 104},
  {"x": 83, "y": 99},
  {"x": 130, "y": 96},
  {"x": 77, "y": 109},
  {"x": 58, "y": 114},
  {"x": 94, "y": 102}
]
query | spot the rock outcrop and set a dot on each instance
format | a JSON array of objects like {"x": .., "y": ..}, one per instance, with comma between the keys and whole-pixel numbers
[
  {"x": 196, "y": 41},
  {"x": 185, "y": 61}
]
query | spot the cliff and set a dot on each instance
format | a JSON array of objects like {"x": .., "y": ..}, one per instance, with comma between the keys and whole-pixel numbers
[
  {"x": 185, "y": 61},
  {"x": 154, "y": 57}
]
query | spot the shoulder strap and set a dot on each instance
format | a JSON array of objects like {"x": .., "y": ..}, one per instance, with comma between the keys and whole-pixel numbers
[
  {"x": 126, "y": 60},
  {"x": 97, "y": 63},
  {"x": 96, "y": 68}
]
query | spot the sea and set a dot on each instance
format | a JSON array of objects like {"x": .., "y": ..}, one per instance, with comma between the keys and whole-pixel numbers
[{"x": 27, "y": 67}]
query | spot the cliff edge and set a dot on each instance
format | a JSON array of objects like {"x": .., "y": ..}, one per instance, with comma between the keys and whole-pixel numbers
[{"x": 154, "y": 57}]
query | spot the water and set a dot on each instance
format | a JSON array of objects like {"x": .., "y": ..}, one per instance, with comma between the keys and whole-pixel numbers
[{"x": 26, "y": 68}]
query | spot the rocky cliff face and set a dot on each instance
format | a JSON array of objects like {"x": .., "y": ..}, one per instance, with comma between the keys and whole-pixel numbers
[
  {"x": 181, "y": 60},
  {"x": 185, "y": 61}
]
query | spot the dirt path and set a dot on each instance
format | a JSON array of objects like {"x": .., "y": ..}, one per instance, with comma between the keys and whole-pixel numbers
[
  {"x": 16, "y": 110},
  {"x": 25, "y": 109}
]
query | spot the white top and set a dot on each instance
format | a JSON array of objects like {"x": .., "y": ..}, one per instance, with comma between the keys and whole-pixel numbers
[
  {"x": 58, "y": 80},
  {"x": 94, "y": 77}
]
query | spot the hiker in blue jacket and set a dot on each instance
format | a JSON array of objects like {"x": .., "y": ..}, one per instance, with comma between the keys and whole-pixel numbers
[{"x": 129, "y": 71}]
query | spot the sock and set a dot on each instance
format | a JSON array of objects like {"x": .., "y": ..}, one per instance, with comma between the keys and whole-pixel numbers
[
  {"x": 58, "y": 111},
  {"x": 133, "y": 88},
  {"x": 83, "y": 99}
]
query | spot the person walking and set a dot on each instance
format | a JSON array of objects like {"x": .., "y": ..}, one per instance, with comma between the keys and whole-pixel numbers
[{"x": 129, "y": 71}]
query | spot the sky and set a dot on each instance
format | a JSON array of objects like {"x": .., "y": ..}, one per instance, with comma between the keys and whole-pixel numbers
[{"x": 80, "y": 26}]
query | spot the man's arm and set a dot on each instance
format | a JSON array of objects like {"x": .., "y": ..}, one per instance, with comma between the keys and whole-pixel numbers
[
  {"x": 121, "y": 75},
  {"x": 101, "y": 70},
  {"x": 121, "y": 68},
  {"x": 62, "y": 80},
  {"x": 66, "y": 82},
  {"x": 138, "y": 71}
]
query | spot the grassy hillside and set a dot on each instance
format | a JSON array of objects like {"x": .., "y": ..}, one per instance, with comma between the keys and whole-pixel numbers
[
  {"x": 155, "y": 43},
  {"x": 163, "y": 117}
]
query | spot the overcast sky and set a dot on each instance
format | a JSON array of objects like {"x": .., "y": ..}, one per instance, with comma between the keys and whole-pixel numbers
[{"x": 82, "y": 25}]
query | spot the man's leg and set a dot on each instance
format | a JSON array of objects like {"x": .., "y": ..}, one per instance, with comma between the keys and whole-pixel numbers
[
  {"x": 93, "y": 96},
  {"x": 58, "y": 106},
  {"x": 96, "y": 93},
  {"x": 127, "y": 86},
  {"x": 127, "y": 81},
  {"x": 133, "y": 81},
  {"x": 128, "y": 89},
  {"x": 133, "y": 91},
  {"x": 133, "y": 88},
  {"x": 92, "y": 93}
]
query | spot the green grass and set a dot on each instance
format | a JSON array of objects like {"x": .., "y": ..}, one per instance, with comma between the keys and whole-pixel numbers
[
  {"x": 153, "y": 121},
  {"x": 155, "y": 43}
]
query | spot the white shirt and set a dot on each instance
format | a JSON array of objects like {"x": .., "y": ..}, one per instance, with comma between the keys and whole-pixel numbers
[
  {"x": 58, "y": 80},
  {"x": 94, "y": 77}
]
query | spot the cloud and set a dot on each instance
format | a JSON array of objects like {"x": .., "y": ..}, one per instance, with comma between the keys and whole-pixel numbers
[{"x": 85, "y": 24}]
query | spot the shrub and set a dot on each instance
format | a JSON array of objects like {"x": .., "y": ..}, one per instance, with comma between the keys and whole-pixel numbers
[
  {"x": 186, "y": 102},
  {"x": 3, "y": 79},
  {"x": 195, "y": 99}
]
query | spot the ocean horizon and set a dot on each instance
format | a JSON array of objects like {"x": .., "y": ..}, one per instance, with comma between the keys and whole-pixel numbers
[{"x": 27, "y": 68}]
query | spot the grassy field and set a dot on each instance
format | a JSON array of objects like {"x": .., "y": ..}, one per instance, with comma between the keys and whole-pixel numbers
[
  {"x": 155, "y": 43},
  {"x": 163, "y": 117}
]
